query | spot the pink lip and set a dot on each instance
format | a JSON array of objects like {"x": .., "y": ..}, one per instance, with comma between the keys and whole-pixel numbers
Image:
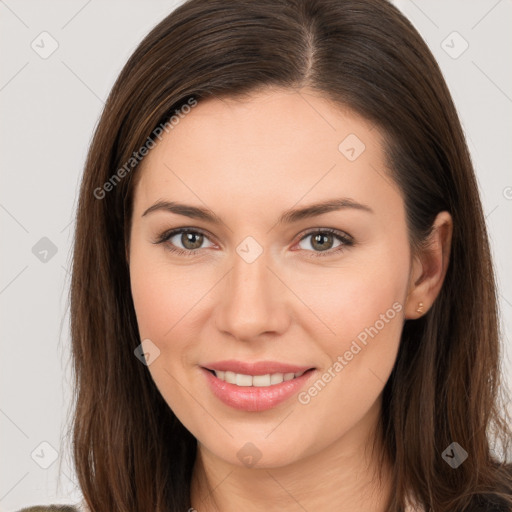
[
  {"x": 257, "y": 368},
  {"x": 253, "y": 398}
]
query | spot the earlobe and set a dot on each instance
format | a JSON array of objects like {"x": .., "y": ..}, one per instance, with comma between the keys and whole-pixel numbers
[{"x": 429, "y": 268}]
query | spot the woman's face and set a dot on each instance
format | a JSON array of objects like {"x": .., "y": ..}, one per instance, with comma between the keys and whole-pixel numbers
[{"x": 266, "y": 285}]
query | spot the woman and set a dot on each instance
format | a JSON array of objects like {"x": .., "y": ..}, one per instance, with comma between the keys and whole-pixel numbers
[{"x": 282, "y": 290}]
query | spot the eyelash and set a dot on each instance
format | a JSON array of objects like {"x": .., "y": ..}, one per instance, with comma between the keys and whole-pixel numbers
[{"x": 346, "y": 240}]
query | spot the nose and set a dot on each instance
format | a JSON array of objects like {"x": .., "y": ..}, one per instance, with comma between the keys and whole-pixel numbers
[{"x": 253, "y": 301}]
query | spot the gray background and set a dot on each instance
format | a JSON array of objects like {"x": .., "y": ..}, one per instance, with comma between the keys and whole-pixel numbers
[{"x": 49, "y": 108}]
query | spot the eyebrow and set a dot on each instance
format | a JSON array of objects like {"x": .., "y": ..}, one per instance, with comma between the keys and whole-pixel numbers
[{"x": 288, "y": 217}]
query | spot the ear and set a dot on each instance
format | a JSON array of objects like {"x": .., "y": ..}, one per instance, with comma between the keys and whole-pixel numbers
[{"x": 429, "y": 268}]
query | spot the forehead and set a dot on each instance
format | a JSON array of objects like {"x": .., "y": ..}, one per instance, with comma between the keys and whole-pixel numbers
[{"x": 272, "y": 146}]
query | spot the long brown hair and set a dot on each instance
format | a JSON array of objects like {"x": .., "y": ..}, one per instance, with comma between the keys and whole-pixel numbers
[{"x": 131, "y": 453}]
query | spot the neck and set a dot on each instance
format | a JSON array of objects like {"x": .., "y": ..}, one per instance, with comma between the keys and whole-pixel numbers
[{"x": 346, "y": 476}]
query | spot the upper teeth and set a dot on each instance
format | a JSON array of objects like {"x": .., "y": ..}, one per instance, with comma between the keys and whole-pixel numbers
[{"x": 255, "y": 380}]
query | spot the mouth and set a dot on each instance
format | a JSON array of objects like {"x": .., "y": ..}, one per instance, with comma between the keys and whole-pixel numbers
[
  {"x": 255, "y": 391},
  {"x": 260, "y": 381}
]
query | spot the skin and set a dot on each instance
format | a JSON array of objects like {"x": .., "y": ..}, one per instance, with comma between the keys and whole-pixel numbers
[{"x": 250, "y": 159}]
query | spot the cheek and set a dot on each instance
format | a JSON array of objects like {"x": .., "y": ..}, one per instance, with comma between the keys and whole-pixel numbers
[
  {"x": 166, "y": 300},
  {"x": 172, "y": 307},
  {"x": 162, "y": 294},
  {"x": 361, "y": 294},
  {"x": 363, "y": 308},
  {"x": 169, "y": 305},
  {"x": 160, "y": 298}
]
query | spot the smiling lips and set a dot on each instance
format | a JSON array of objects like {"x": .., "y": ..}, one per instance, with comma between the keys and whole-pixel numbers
[{"x": 255, "y": 386}]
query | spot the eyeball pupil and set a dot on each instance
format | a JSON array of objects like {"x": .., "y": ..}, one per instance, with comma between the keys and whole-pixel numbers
[
  {"x": 189, "y": 238},
  {"x": 318, "y": 239}
]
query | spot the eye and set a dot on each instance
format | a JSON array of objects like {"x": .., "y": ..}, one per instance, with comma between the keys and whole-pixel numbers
[
  {"x": 191, "y": 240},
  {"x": 322, "y": 241}
]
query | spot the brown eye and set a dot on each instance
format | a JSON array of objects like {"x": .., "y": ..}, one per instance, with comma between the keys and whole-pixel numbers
[
  {"x": 184, "y": 241},
  {"x": 191, "y": 240},
  {"x": 323, "y": 242},
  {"x": 320, "y": 241}
]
